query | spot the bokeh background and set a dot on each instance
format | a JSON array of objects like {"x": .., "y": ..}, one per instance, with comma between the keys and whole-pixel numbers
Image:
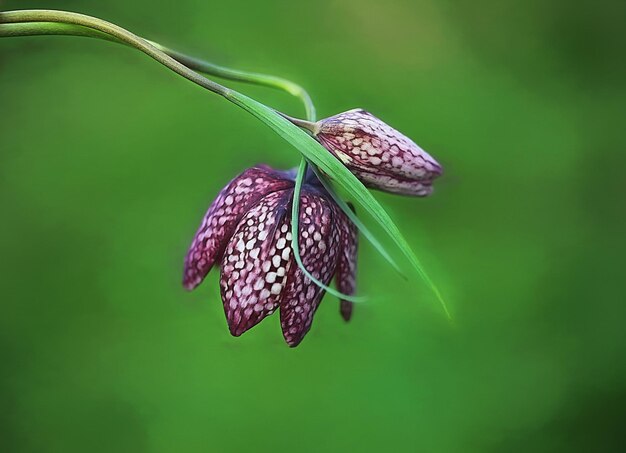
[{"x": 108, "y": 162}]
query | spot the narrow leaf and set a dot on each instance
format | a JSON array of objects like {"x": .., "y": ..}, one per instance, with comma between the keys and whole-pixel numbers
[
  {"x": 359, "y": 224},
  {"x": 313, "y": 151},
  {"x": 295, "y": 218}
]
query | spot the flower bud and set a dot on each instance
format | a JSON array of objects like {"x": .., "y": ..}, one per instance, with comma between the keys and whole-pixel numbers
[{"x": 380, "y": 156}]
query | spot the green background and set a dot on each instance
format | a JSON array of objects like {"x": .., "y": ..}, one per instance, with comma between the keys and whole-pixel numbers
[{"x": 108, "y": 162}]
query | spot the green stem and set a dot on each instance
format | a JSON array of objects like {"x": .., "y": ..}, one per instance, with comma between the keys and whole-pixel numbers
[
  {"x": 307, "y": 124},
  {"x": 79, "y": 25},
  {"x": 58, "y": 28},
  {"x": 248, "y": 77},
  {"x": 119, "y": 34},
  {"x": 281, "y": 124}
]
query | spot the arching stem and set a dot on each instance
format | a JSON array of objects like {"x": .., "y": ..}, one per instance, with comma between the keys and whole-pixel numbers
[{"x": 24, "y": 23}]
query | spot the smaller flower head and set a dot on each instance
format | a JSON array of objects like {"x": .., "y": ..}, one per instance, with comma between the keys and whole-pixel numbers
[
  {"x": 247, "y": 230},
  {"x": 380, "y": 156}
]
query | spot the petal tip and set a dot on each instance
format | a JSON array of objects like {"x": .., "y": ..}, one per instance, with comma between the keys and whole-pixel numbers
[
  {"x": 345, "y": 309},
  {"x": 191, "y": 278},
  {"x": 234, "y": 331},
  {"x": 190, "y": 284},
  {"x": 293, "y": 341}
]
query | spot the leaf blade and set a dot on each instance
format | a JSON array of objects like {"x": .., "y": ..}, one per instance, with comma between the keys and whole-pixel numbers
[{"x": 314, "y": 152}]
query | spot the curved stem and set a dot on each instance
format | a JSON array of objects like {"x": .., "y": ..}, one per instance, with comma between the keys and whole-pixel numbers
[
  {"x": 120, "y": 34},
  {"x": 281, "y": 124},
  {"x": 8, "y": 29},
  {"x": 37, "y": 22},
  {"x": 50, "y": 28},
  {"x": 21, "y": 23},
  {"x": 30, "y": 23},
  {"x": 248, "y": 77}
]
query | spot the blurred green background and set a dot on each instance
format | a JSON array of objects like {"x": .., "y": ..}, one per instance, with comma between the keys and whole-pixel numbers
[{"x": 108, "y": 162}]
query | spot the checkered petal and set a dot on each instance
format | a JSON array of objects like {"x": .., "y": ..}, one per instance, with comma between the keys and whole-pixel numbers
[
  {"x": 380, "y": 156},
  {"x": 345, "y": 276},
  {"x": 223, "y": 215},
  {"x": 256, "y": 263},
  {"x": 318, "y": 249}
]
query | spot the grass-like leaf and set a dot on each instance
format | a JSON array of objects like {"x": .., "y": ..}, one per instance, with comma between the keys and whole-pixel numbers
[
  {"x": 306, "y": 144},
  {"x": 331, "y": 166},
  {"x": 295, "y": 219},
  {"x": 359, "y": 224}
]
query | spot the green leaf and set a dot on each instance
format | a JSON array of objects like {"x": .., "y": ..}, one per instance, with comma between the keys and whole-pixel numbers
[
  {"x": 359, "y": 224},
  {"x": 308, "y": 146},
  {"x": 327, "y": 163},
  {"x": 295, "y": 218}
]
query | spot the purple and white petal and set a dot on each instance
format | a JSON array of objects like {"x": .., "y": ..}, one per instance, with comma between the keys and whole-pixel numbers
[
  {"x": 393, "y": 184},
  {"x": 223, "y": 215},
  {"x": 345, "y": 276},
  {"x": 318, "y": 243},
  {"x": 256, "y": 263},
  {"x": 380, "y": 156}
]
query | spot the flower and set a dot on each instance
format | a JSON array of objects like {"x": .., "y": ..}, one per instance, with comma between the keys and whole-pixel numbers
[
  {"x": 380, "y": 156},
  {"x": 247, "y": 230}
]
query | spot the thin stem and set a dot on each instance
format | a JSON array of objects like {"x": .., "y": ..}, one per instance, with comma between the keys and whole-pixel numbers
[
  {"x": 119, "y": 33},
  {"x": 248, "y": 77},
  {"x": 29, "y": 23},
  {"x": 309, "y": 125},
  {"x": 281, "y": 124},
  {"x": 52, "y": 28},
  {"x": 48, "y": 22}
]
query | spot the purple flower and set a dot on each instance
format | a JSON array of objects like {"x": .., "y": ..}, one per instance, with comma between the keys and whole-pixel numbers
[
  {"x": 247, "y": 230},
  {"x": 380, "y": 156}
]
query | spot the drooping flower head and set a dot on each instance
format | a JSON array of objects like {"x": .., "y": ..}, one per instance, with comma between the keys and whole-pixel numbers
[
  {"x": 380, "y": 156},
  {"x": 247, "y": 231}
]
